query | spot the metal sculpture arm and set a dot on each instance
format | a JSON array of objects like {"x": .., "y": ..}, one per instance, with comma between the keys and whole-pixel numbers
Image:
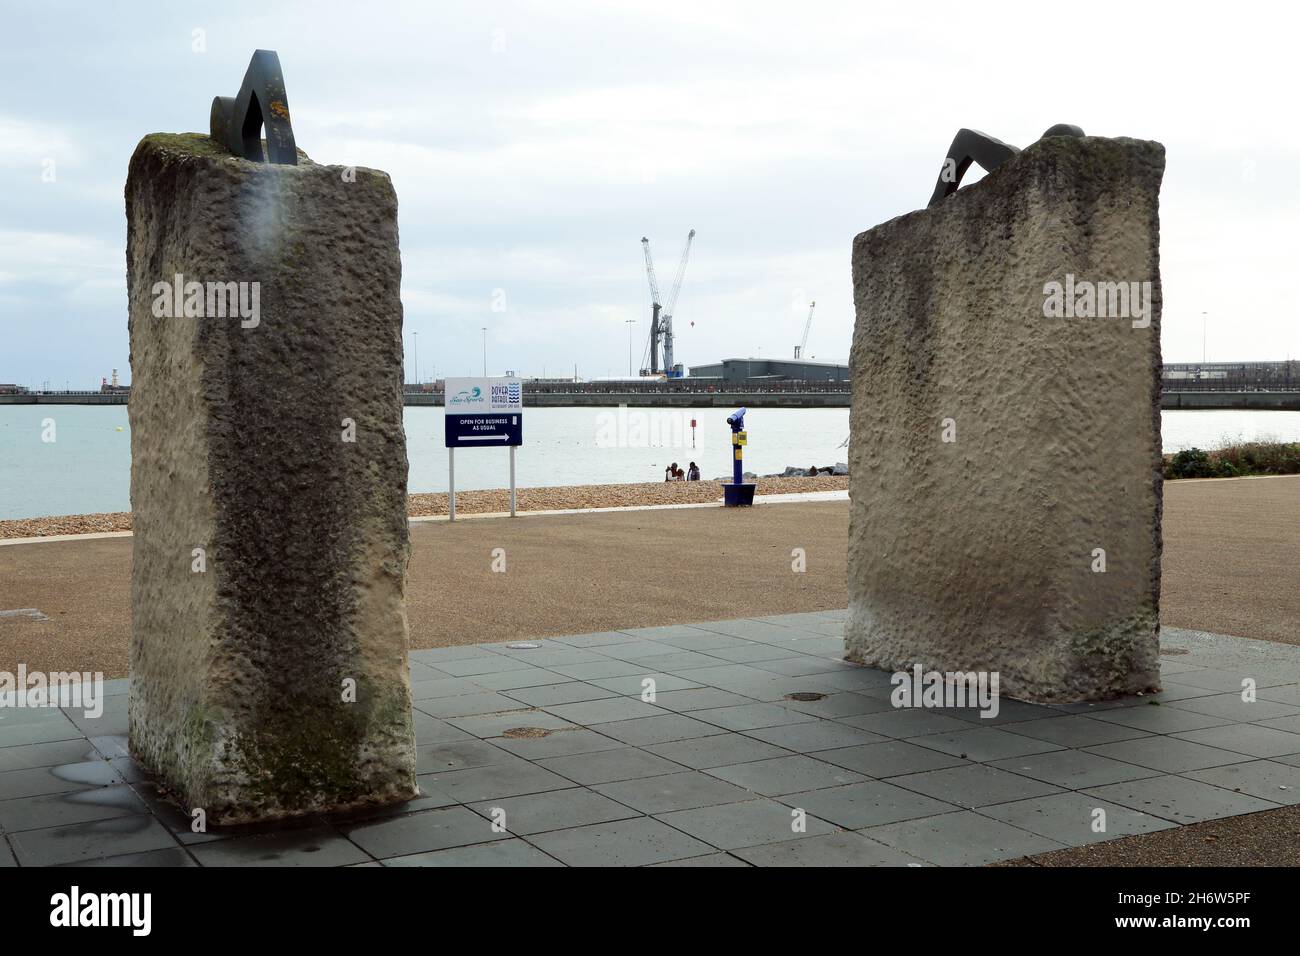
[
  {"x": 237, "y": 121},
  {"x": 972, "y": 146}
]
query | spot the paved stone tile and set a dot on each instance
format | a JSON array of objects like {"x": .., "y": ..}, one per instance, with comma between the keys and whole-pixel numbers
[
  {"x": 634, "y": 685},
  {"x": 836, "y": 849},
  {"x": 637, "y": 842},
  {"x": 114, "y": 745},
  {"x": 512, "y": 680},
  {"x": 974, "y": 785},
  {"x": 167, "y": 857},
  {"x": 705, "y": 753},
  {"x": 567, "y": 693},
  {"x": 52, "y": 754},
  {"x": 468, "y": 705},
  {"x": 1009, "y": 712},
  {"x": 1266, "y": 779},
  {"x": 751, "y": 716},
  {"x": 890, "y": 758},
  {"x": 603, "y": 668},
  {"x": 494, "y": 725},
  {"x": 765, "y": 655},
  {"x": 317, "y": 847},
  {"x": 861, "y": 680},
  {"x": 1283, "y": 694},
  {"x": 866, "y": 804},
  {"x": 752, "y": 823},
  {"x": 431, "y": 730},
  {"x": 674, "y": 791},
  {"x": 1290, "y": 724},
  {"x": 1232, "y": 707},
  {"x": 1074, "y": 769},
  {"x": 1167, "y": 754},
  {"x": 72, "y": 776},
  {"x": 712, "y": 860},
  {"x": 790, "y": 774},
  {"x": 458, "y": 755},
  {"x": 843, "y": 704},
  {"x": 705, "y": 641},
  {"x": 636, "y": 650},
  {"x": 727, "y": 676},
  {"x": 436, "y": 655},
  {"x": 6, "y": 855},
  {"x": 1077, "y": 730},
  {"x": 820, "y": 735},
  {"x": 607, "y": 766},
  {"x": 501, "y": 853},
  {"x": 669, "y": 631},
  {"x": 559, "y": 743},
  {"x": 1249, "y": 739},
  {"x": 906, "y": 722},
  {"x": 698, "y": 698},
  {"x": 598, "y": 639},
  {"x": 680, "y": 660},
  {"x": 135, "y": 833},
  {"x": 802, "y": 666},
  {"x": 112, "y": 721},
  {"x": 589, "y": 712},
  {"x": 435, "y": 687},
  {"x": 1070, "y": 818},
  {"x": 551, "y": 656},
  {"x": 508, "y": 779},
  {"x": 1160, "y": 720},
  {"x": 961, "y": 839},
  {"x": 1179, "y": 799},
  {"x": 50, "y": 725},
  {"x": 658, "y": 730},
  {"x": 61, "y": 809},
  {"x": 752, "y": 630},
  {"x": 423, "y": 831},
  {"x": 985, "y": 743},
  {"x": 1233, "y": 681},
  {"x": 556, "y": 810},
  {"x": 487, "y": 664}
]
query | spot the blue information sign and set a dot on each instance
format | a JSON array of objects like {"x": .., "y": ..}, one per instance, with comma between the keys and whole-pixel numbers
[{"x": 484, "y": 430}]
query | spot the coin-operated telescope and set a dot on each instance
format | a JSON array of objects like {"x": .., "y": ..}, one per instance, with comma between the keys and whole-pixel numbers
[{"x": 739, "y": 492}]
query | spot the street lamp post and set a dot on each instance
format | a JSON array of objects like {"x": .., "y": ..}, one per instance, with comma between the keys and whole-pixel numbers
[
  {"x": 630, "y": 323},
  {"x": 485, "y": 351},
  {"x": 416, "y": 336}
]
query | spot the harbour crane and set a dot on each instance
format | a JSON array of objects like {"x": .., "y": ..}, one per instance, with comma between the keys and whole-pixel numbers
[
  {"x": 661, "y": 316},
  {"x": 654, "y": 308},
  {"x": 807, "y": 327}
]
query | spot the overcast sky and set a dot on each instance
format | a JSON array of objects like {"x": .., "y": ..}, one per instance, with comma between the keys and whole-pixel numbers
[{"x": 532, "y": 145}]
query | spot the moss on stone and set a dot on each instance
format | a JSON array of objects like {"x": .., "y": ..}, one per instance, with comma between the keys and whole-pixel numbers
[{"x": 197, "y": 144}]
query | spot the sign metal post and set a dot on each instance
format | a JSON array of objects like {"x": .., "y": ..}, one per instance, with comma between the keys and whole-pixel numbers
[{"x": 479, "y": 413}]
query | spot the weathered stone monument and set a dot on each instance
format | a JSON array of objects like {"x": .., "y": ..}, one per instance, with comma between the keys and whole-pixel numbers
[
  {"x": 268, "y": 479},
  {"x": 1005, "y": 462}
]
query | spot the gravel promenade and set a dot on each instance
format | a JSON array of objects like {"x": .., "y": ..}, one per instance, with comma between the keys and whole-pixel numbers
[{"x": 481, "y": 502}]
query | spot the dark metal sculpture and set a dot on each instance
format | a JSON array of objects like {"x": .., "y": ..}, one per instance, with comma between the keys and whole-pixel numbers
[
  {"x": 237, "y": 121},
  {"x": 972, "y": 146}
]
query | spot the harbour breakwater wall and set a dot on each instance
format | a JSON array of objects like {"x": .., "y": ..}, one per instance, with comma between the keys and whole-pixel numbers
[{"x": 1258, "y": 401}]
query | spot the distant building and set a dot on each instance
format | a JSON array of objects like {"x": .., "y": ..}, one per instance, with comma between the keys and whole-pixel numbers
[
  {"x": 774, "y": 370},
  {"x": 13, "y": 390}
]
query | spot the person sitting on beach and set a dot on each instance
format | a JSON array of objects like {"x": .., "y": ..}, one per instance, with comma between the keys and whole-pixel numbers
[
  {"x": 693, "y": 473},
  {"x": 812, "y": 472},
  {"x": 670, "y": 473}
]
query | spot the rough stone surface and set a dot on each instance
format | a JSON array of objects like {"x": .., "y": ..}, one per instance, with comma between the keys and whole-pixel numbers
[
  {"x": 977, "y": 554},
  {"x": 237, "y": 445}
]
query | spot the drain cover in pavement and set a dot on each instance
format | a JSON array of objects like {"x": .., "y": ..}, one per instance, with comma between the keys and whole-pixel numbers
[{"x": 804, "y": 695}]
